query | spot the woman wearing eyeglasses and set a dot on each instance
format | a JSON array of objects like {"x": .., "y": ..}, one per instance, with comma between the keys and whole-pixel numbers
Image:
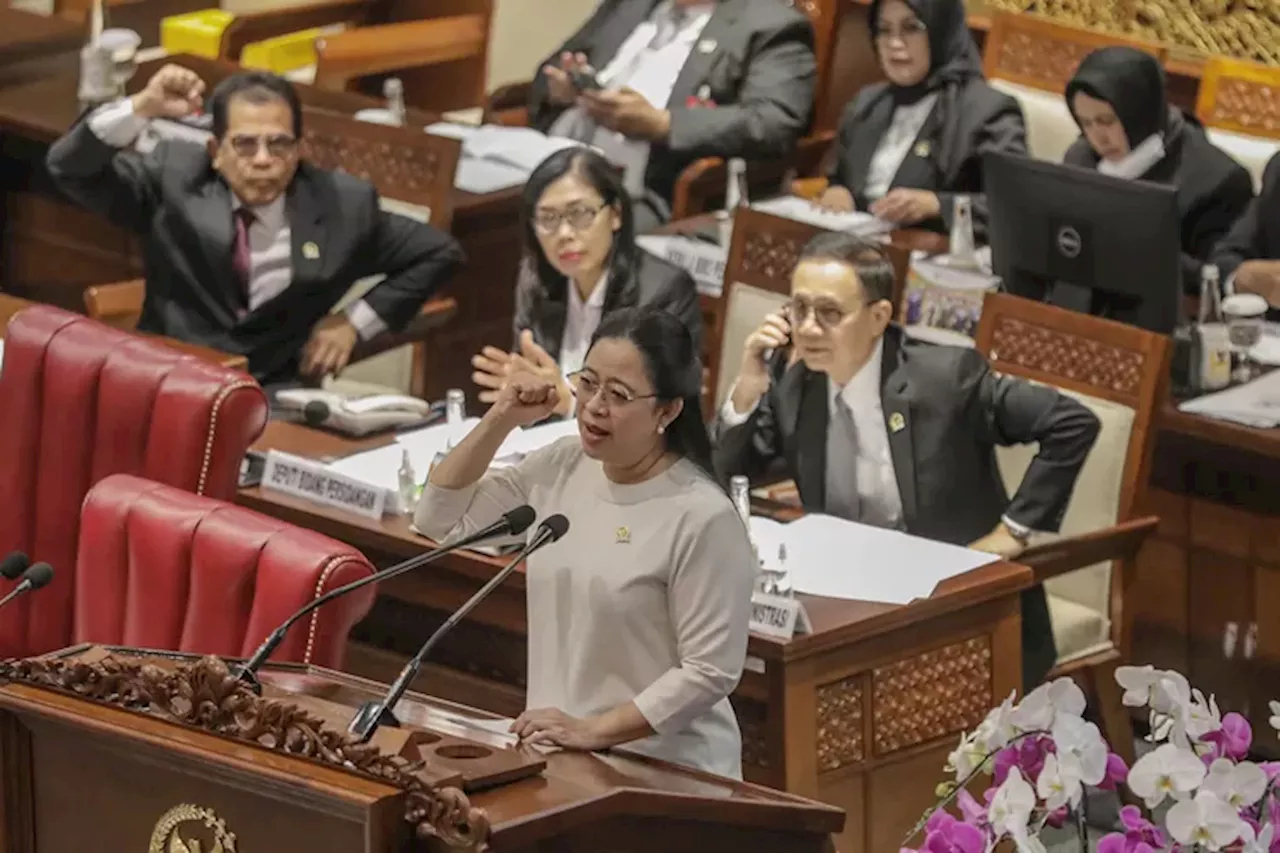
[
  {"x": 906, "y": 147},
  {"x": 638, "y": 615},
  {"x": 581, "y": 265}
]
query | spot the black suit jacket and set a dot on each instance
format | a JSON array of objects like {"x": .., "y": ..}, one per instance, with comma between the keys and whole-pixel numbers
[
  {"x": 1213, "y": 189},
  {"x": 1256, "y": 236},
  {"x": 947, "y": 155},
  {"x": 182, "y": 209},
  {"x": 652, "y": 283},
  {"x": 759, "y": 70},
  {"x": 956, "y": 411}
]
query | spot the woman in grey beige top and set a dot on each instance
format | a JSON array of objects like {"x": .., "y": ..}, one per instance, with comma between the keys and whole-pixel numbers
[{"x": 638, "y": 615}]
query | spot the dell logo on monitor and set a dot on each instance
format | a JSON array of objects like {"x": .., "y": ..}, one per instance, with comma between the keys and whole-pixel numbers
[{"x": 1069, "y": 242}]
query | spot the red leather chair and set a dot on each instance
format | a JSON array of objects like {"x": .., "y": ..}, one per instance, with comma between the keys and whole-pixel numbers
[
  {"x": 80, "y": 401},
  {"x": 161, "y": 568}
]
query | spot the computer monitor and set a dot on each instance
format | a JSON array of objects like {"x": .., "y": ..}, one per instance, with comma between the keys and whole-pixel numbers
[{"x": 1086, "y": 241}]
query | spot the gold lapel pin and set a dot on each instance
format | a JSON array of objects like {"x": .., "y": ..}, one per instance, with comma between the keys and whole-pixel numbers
[
  {"x": 310, "y": 251},
  {"x": 622, "y": 536},
  {"x": 897, "y": 422},
  {"x": 923, "y": 148}
]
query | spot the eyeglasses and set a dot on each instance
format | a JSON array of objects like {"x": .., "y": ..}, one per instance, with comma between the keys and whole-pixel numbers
[
  {"x": 278, "y": 146},
  {"x": 585, "y": 387},
  {"x": 580, "y": 217},
  {"x": 909, "y": 30},
  {"x": 827, "y": 314}
]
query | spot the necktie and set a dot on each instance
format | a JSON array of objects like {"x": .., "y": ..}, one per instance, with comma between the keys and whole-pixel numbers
[
  {"x": 240, "y": 253},
  {"x": 842, "y": 463}
]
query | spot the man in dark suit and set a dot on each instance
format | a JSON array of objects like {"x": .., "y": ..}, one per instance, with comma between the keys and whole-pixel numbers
[
  {"x": 681, "y": 79},
  {"x": 879, "y": 429},
  {"x": 1248, "y": 257},
  {"x": 246, "y": 249}
]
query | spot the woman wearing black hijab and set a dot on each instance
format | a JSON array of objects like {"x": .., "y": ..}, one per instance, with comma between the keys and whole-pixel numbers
[
  {"x": 907, "y": 147},
  {"x": 1117, "y": 97}
]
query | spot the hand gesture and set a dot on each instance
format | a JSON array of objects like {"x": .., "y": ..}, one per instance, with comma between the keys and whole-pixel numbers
[
  {"x": 627, "y": 112},
  {"x": 1000, "y": 542},
  {"x": 525, "y": 398},
  {"x": 560, "y": 89},
  {"x": 837, "y": 199},
  {"x": 172, "y": 92},
  {"x": 491, "y": 368},
  {"x": 773, "y": 334},
  {"x": 328, "y": 350},
  {"x": 903, "y": 206},
  {"x": 1261, "y": 277},
  {"x": 537, "y": 360},
  {"x": 553, "y": 726}
]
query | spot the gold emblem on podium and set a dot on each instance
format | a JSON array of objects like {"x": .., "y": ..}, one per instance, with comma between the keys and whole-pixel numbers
[{"x": 191, "y": 829}]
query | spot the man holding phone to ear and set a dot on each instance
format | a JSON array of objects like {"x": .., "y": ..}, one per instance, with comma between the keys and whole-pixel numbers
[
  {"x": 882, "y": 430},
  {"x": 656, "y": 84}
]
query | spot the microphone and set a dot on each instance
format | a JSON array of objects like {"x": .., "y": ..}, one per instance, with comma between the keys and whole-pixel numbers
[
  {"x": 14, "y": 565},
  {"x": 513, "y": 523},
  {"x": 33, "y": 578},
  {"x": 374, "y": 714}
]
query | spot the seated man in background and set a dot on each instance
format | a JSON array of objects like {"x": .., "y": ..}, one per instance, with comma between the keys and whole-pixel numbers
[
  {"x": 246, "y": 249},
  {"x": 680, "y": 79},
  {"x": 882, "y": 430},
  {"x": 1248, "y": 257}
]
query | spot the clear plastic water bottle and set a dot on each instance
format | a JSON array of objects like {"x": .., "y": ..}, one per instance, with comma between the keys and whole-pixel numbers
[
  {"x": 455, "y": 412},
  {"x": 407, "y": 482},
  {"x": 735, "y": 196},
  {"x": 963, "y": 252},
  {"x": 393, "y": 91}
]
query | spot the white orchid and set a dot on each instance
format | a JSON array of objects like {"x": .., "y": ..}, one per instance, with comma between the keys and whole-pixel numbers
[
  {"x": 1081, "y": 749},
  {"x": 1239, "y": 785},
  {"x": 1166, "y": 771},
  {"x": 1206, "y": 820},
  {"x": 991, "y": 735},
  {"x": 1057, "y": 785},
  {"x": 1140, "y": 685},
  {"x": 1260, "y": 843},
  {"x": 1010, "y": 812},
  {"x": 1275, "y": 715},
  {"x": 1041, "y": 707}
]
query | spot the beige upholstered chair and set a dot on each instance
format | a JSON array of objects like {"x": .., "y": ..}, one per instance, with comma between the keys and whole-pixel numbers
[
  {"x": 1033, "y": 59},
  {"x": 1118, "y": 371},
  {"x": 1238, "y": 105}
]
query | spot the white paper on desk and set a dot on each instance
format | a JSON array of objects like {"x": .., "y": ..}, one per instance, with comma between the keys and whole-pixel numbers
[
  {"x": 1254, "y": 404},
  {"x": 451, "y": 130},
  {"x": 522, "y": 147},
  {"x": 485, "y": 176},
  {"x": 842, "y": 559},
  {"x": 802, "y": 210}
]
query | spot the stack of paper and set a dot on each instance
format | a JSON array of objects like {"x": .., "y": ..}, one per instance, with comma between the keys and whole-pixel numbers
[
  {"x": 825, "y": 555},
  {"x": 1253, "y": 404},
  {"x": 495, "y": 157},
  {"x": 802, "y": 210}
]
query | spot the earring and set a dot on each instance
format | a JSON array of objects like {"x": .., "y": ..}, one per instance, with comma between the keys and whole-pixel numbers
[{"x": 662, "y": 428}]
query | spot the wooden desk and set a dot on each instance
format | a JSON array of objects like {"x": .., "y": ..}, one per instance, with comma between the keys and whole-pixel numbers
[
  {"x": 860, "y": 714},
  {"x": 52, "y": 250},
  {"x": 10, "y": 305}
]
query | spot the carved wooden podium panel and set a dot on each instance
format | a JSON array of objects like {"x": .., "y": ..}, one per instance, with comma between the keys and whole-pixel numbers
[{"x": 125, "y": 750}]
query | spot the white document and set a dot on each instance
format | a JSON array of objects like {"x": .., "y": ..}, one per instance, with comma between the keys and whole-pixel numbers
[
  {"x": 522, "y": 147},
  {"x": 485, "y": 176},
  {"x": 829, "y": 556},
  {"x": 704, "y": 261},
  {"x": 802, "y": 210},
  {"x": 1254, "y": 404}
]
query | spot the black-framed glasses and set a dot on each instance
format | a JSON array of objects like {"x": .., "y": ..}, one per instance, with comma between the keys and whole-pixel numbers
[
  {"x": 278, "y": 145},
  {"x": 827, "y": 314},
  {"x": 586, "y": 386},
  {"x": 579, "y": 216},
  {"x": 909, "y": 30}
]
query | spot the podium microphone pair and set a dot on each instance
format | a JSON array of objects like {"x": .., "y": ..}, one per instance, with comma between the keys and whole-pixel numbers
[
  {"x": 33, "y": 576},
  {"x": 374, "y": 714}
]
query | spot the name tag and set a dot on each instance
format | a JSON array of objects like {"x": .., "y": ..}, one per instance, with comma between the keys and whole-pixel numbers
[
  {"x": 303, "y": 478},
  {"x": 778, "y": 616}
]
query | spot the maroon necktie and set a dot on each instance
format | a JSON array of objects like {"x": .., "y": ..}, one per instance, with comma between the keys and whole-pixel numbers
[{"x": 240, "y": 265}]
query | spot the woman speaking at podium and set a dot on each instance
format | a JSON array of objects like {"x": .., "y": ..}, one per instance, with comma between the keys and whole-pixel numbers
[{"x": 638, "y": 615}]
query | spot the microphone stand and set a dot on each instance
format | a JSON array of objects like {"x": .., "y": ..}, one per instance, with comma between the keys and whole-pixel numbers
[{"x": 372, "y": 715}]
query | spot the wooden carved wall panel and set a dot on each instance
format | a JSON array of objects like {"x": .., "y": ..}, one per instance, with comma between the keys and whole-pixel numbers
[
  {"x": 770, "y": 258},
  {"x": 939, "y": 693},
  {"x": 1045, "y": 61},
  {"x": 753, "y": 720},
  {"x": 1063, "y": 355},
  {"x": 400, "y": 171},
  {"x": 1253, "y": 105},
  {"x": 840, "y": 716}
]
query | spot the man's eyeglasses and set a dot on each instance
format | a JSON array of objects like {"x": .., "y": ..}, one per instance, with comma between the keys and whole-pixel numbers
[
  {"x": 278, "y": 146},
  {"x": 580, "y": 218},
  {"x": 908, "y": 31},
  {"x": 586, "y": 386},
  {"x": 827, "y": 314}
]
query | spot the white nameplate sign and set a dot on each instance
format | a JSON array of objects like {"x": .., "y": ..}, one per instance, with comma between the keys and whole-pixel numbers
[
  {"x": 777, "y": 616},
  {"x": 313, "y": 481},
  {"x": 704, "y": 261}
]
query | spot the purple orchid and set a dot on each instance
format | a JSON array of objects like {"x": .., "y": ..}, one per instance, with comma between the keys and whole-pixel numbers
[
  {"x": 1231, "y": 741},
  {"x": 973, "y": 812},
  {"x": 945, "y": 834},
  {"x": 1027, "y": 755},
  {"x": 1117, "y": 773}
]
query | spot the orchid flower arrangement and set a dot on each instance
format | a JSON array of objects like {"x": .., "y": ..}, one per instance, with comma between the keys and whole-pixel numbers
[{"x": 1041, "y": 755}]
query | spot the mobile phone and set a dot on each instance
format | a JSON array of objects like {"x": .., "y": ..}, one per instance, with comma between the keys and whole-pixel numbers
[{"x": 584, "y": 79}]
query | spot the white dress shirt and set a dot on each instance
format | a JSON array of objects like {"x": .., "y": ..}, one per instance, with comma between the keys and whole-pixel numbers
[
  {"x": 270, "y": 239},
  {"x": 895, "y": 144},
  {"x": 648, "y": 62},
  {"x": 580, "y": 323}
]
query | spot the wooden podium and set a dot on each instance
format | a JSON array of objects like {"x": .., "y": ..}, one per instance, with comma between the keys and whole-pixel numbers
[{"x": 127, "y": 750}]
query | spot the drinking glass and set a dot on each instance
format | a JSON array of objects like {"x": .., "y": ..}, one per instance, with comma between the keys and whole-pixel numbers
[{"x": 1244, "y": 313}]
